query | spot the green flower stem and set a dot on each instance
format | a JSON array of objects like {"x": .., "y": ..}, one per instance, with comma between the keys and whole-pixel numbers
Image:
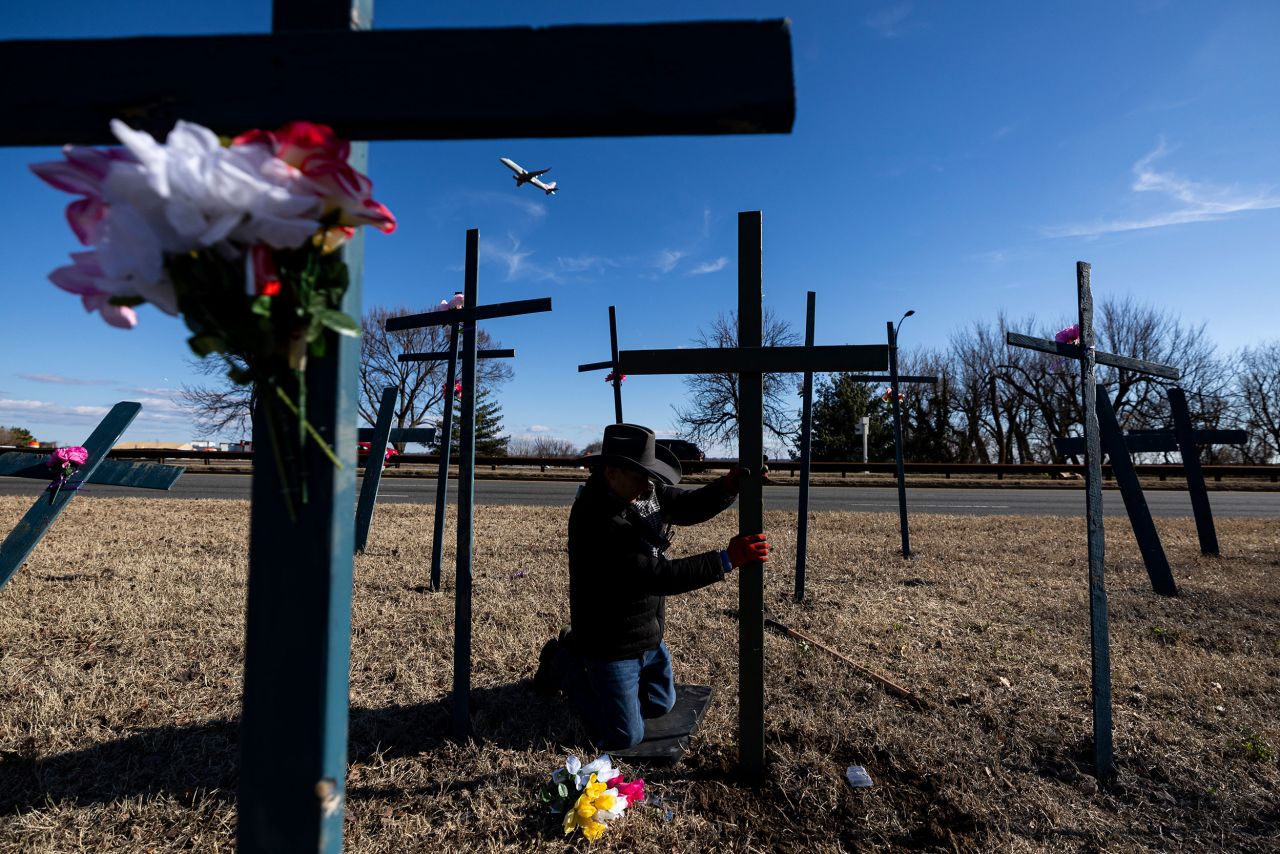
[{"x": 324, "y": 446}]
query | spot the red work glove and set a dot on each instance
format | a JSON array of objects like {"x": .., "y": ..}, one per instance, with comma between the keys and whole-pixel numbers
[{"x": 746, "y": 548}]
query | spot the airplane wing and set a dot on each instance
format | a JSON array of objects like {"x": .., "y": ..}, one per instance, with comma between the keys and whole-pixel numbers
[
  {"x": 538, "y": 172},
  {"x": 513, "y": 166}
]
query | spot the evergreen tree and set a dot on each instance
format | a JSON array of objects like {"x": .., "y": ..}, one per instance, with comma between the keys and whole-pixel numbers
[
  {"x": 489, "y": 439},
  {"x": 839, "y": 404},
  {"x": 16, "y": 436}
]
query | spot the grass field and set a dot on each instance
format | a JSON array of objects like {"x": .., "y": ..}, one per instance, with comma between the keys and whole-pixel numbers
[{"x": 120, "y": 672}]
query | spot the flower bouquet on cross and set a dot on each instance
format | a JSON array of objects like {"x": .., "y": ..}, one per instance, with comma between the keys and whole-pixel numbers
[
  {"x": 589, "y": 796},
  {"x": 620, "y": 377},
  {"x": 239, "y": 237},
  {"x": 887, "y": 397},
  {"x": 457, "y": 389},
  {"x": 63, "y": 464},
  {"x": 1070, "y": 335}
]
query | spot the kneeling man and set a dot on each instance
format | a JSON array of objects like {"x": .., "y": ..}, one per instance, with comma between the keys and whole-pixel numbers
[{"x": 612, "y": 662}]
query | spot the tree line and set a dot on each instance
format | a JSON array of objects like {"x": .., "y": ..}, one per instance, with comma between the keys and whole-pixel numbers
[{"x": 999, "y": 404}]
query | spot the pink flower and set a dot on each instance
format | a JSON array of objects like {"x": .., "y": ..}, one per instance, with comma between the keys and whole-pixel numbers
[
  {"x": 609, "y": 378},
  {"x": 266, "y": 277},
  {"x": 457, "y": 389},
  {"x": 633, "y": 790},
  {"x": 1070, "y": 335},
  {"x": 445, "y": 304},
  {"x": 887, "y": 397},
  {"x": 74, "y": 455},
  {"x": 86, "y": 278},
  {"x": 317, "y": 152},
  {"x": 82, "y": 173}
]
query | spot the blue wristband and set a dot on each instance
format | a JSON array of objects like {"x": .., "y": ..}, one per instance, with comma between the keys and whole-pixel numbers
[{"x": 725, "y": 562}]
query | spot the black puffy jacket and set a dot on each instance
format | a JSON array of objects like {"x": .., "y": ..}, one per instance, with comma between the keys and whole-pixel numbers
[{"x": 616, "y": 583}]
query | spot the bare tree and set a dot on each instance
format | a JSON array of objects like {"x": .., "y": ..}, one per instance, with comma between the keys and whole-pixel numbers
[
  {"x": 222, "y": 407},
  {"x": 419, "y": 385},
  {"x": 541, "y": 446},
  {"x": 1258, "y": 387},
  {"x": 711, "y": 416}
]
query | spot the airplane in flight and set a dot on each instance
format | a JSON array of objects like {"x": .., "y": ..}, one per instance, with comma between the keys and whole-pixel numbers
[{"x": 525, "y": 177}]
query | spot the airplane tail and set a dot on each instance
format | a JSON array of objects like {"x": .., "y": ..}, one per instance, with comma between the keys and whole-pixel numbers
[{"x": 550, "y": 189}]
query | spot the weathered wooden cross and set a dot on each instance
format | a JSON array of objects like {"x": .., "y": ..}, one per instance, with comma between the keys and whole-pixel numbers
[
  {"x": 750, "y": 360},
  {"x": 379, "y": 436},
  {"x": 1087, "y": 354},
  {"x": 698, "y": 78},
  {"x": 612, "y": 365},
  {"x": 1182, "y": 438},
  {"x": 97, "y": 469},
  {"x": 450, "y": 357},
  {"x": 466, "y": 317}
]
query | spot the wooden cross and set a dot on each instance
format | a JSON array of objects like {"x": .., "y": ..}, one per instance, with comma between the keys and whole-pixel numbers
[
  {"x": 1087, "y": 354},
  {"x": 450, "y": 356},
  {"x": 612, "y": 365},
  {"x": 378, "y": 437},
  {"x": 750, "y": 360},
  {"x": 699, "y": 78},
  {"x": 1181, "y": 438},
  {"x": 97, "y": 469},
  {"x": 466, "y": 316}
]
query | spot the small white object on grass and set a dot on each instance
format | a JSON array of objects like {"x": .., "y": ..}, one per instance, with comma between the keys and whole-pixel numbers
[{"x": 858, "y": 777}]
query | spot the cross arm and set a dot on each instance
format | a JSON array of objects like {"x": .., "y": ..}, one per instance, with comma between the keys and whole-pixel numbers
[
  {"x": 709, "y": 77},
  {"x": 884, "y": 378},
  {"x": 442, "y": 355},
  {"x": 421, "y": 435},
  {"x": 468, "y": 314},
  {"x": 108, "y": 472},
  {"x": 764, "y": 360},
  {"x": 594, "y": 366},
  {"x": 1156, "y": 441},
  {"x": 1073, "y": 351}
]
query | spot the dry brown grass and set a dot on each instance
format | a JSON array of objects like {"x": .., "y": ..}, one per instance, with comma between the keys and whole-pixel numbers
[{"x": 120, "y": 657}]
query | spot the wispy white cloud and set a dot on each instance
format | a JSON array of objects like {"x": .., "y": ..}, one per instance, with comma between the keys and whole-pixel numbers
[
  {"x": 667, "y": 259},
  {"x": 585, "y": 264},
  {"x": 710, "y": 266},
  {"x": 1196, "y": 201},
  {"x": 539, "y": 428},
  {"x": 529, "y": 206},
  {"x": 891, "y": 21},
  {"x": 515, "y": 260},
  {"x": 993, "y": 257},
  {"x": 1004, "y": 130},
  {"x": 58, "y": 379}
]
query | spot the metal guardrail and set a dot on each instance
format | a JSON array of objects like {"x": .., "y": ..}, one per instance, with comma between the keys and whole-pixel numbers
[{"x": 844, "y": 468}]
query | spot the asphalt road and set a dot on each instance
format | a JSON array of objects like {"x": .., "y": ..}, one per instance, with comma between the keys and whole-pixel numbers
[{"x": 976, "y": 502}]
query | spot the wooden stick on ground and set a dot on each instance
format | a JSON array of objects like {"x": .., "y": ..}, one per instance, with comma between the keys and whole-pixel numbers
[{"x": 891, "y": 686}]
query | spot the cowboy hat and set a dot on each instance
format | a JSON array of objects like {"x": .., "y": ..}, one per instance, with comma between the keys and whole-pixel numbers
[{"x": 632, "y": 446}]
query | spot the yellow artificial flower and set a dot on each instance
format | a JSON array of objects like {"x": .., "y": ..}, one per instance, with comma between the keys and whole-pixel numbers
[{"x": 591, "y": 801}]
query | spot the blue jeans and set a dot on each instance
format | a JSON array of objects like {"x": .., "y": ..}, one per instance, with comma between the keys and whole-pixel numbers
[{"x": 614, "y": 697}]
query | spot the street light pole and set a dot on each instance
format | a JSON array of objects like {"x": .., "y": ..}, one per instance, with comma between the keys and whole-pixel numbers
[{"x": 897, "y": 433}]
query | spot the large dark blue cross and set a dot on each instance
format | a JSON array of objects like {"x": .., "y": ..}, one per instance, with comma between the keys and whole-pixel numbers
[
  {"x": 1182, "y": 438},
  {"x": 466, "y": 317},
  {"x": 379, "y": 436},
  {"x": 716, "y": 77},
  {"x": 1088, "y": 356},
  {"x": 750, "y": 360},
  {"x": 450, "y": 357},
  {"x": 97, "y": 469},
  {"x": 612, "y": 365}
]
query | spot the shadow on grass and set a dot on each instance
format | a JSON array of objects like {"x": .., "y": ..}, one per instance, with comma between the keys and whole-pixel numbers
[{"x": 201, "y": 761}]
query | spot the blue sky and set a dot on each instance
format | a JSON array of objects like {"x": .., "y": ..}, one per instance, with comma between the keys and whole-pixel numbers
[{"x": 955, "y": 159}]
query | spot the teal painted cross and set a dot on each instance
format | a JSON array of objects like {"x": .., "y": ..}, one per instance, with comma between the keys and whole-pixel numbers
[
  {"x": 450, "y": 357},
  {"x": 615, "y": 378},
  {"x": 466, "y": 317},
  {"x": 750, "y": 360},
  {"x": 97, "y": 469},
  {"x": 715, "y": 77},
  {"x": 378, "y": 437},
  {"x": 1087, "y": 354}
]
